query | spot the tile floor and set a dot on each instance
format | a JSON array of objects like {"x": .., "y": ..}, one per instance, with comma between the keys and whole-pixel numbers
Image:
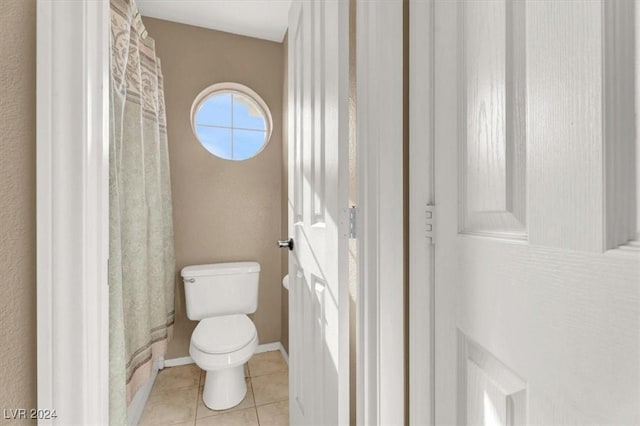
[{"x": 176, "y": 397}]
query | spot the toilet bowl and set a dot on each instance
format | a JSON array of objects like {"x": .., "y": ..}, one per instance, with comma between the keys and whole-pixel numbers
[
  {"x": 221, "y": 346},
  {"x": 220, "y": 296}
]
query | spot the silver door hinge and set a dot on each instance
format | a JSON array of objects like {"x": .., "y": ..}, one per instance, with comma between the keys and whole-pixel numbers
[
  {"x": 352, "y": 218},
  {"x": 430, "y": 222}
]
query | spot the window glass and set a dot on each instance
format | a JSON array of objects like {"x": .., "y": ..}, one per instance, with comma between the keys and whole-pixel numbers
[{"x": 231, "y": 121}]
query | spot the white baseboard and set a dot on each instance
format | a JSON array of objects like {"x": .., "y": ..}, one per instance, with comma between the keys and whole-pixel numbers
[
  {"x": 275, "y": 346},
  {"x": 284, "y": 353},
  {"x": 267, "y": 347},
  {"x": 139, "y": 401},
  {"x": 174, "y": 362}
]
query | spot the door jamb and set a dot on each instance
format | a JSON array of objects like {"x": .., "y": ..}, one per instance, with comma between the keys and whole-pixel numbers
[
  {"x": 380, "y": 320},
  {"x": 72, "y": 210},
  {"x": 422, "y": 195}
]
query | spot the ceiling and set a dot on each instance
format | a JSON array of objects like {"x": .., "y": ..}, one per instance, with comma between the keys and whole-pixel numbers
[{"x": 265, "y": 19}]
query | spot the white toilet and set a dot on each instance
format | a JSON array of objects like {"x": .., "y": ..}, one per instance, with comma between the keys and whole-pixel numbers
[{"x": 219, "y": 296}]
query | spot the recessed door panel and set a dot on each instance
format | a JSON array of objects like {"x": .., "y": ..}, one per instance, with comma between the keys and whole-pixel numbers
[{"x": 492, "y": 117}]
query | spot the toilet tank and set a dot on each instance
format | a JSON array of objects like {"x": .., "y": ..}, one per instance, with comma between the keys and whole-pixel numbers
[{"x": 221, "y": 289}]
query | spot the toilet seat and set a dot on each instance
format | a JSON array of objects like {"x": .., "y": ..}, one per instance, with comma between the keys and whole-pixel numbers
[
  {"x": 221, "y": 335},
  {"x": 223, "y": 342}
]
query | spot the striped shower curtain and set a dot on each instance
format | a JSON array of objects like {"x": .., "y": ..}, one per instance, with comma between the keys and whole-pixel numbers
[{"x": 142, "y": 261}]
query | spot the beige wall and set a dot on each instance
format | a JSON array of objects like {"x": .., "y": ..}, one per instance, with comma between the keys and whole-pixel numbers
[
  {"x": 223, "y": 210},
  {"x": 17, "y": 205}
]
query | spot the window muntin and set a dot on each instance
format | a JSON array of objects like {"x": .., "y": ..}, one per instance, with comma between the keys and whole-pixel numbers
[{"x": 231, "y": 121}]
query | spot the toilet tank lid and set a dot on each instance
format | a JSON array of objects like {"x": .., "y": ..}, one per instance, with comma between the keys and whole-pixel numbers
[{"x": 230, "y": 268}]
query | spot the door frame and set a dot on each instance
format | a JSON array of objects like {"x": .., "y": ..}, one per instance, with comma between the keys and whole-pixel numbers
[
  {"x": 380, "y": 319},
  {"x": 72, "y": 195},
  {"x": 421, "y": 237},
  {"x": 73, "y": 218}
]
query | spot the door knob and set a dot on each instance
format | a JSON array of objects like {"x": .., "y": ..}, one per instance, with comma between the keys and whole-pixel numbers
[{"x": 286, "y": 243}]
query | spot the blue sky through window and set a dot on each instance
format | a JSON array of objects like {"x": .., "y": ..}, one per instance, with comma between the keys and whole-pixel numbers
[
  {"x": 246, "y": 143},
  {"x": 215, "y": 111},
  {"x": 246, "y": 114},
  {"x": 216, "y": 140},
  {"x": 231, "y": 126}
]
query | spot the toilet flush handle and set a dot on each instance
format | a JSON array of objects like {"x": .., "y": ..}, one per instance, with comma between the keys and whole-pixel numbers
[
  {"x": 189, "y": 280},
  {"x": 286, "y": 243}
]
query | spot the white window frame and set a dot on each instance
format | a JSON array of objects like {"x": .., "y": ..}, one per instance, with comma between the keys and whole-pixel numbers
[{"x": 233, "y": 88}]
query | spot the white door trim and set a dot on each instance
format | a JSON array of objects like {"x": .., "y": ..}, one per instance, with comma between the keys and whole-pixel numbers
[
  {"x": 72, "y": 210},
  {"x": 421, "y": 184},
  {"x": 72, "y": 217},
  {"x": 380, "y": 322}
]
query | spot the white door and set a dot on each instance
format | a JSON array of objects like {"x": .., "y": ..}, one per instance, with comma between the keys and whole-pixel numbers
[
  {"x": 318, "y": 190},
  {"x": 537, "y": 308}
]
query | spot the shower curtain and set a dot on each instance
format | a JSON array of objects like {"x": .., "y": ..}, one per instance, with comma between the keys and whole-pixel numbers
[{"x": 142, "y": 261}]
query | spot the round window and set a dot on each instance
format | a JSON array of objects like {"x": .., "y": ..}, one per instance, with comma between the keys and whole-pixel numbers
[{"x": 231, "y": 121}]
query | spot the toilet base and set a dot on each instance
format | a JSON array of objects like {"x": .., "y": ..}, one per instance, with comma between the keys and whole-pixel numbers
[{"x": 224, "y": 388}]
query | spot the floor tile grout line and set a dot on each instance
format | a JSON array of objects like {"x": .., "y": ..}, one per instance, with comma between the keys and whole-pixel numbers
[
  {"x": 195, "y": 416},
  {"x": 169, "y": 391},
  {"x": 195, "y": 409},
  {"x": 272, "y": 402},
  {"x": 257, "y": 415},
  {"x": 267, "y": 374},
  {"x": 253, "y": 395}
]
